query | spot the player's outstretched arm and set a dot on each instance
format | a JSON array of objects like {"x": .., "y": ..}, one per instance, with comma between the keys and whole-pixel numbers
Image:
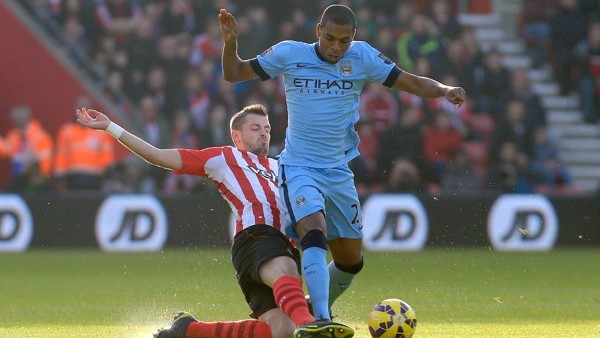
[
  {"x": 234, "y": 68},
  {"x": 429, "y": 88},
  {"x": 166, "y": 158}
]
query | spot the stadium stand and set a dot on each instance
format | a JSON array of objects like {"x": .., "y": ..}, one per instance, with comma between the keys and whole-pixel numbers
[{"x": 156, "y": 60}]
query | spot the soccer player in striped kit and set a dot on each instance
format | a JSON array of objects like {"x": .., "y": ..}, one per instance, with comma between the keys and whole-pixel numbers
[
  {"x": 323, "y": 81},
  {"x": 266, "y": 261}
]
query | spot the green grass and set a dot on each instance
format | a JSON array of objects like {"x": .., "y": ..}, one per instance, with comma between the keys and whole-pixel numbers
[{"x": 455, "y": 292}]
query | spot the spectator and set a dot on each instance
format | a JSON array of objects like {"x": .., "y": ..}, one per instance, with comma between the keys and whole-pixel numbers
[
  {"x": 405, "y": 11},
  {"x": 460, "y": 178},
  {"x": 379, "y": 106},
  {"x": 534, "y": 25},
  {"x": 154, "y": 127},
  {"x": 41, "y": 10},
  {"x": 155, "y": 130},
  {"x": 173, "y": 67},
  {"x": 366, "y": 177},
  {"x": 304, "y": 27},
  {"x": 385, "y": 41},
  {"x": 423, "y": 39},
  {"x": 101, "y": 57},
  {"x": 76, "y": 44},
  {"x": 117, "y": 17},
  {"x": 444, "y": 20},
  {"x": 492, "y": 81},
  {"x": 31, "y": 180},
  {"x": 513, "y": 128},
  {"x": 206, "y": 44},
  {"x": 365, "y": 25},
  {"x": 588, "y": 59},
  {"x": 210, "y": 74},
  {"x": 402, "y": 140},
  {"x": 567, "y": 29},
  {"x": 196, "y": 100},
  {"x": 119, "y": 61},
  {"x": 550, "y": 174},
  {"x": 288, "y": 31},
  {"x": 258, "y": 32},
  {"x": 509, "y": 174},
  {"x": 82, "y": 157},
  {"x": 177, "y": 18},
  {"x": 229, "y": 94},
  {"x": 520, "y": 89},
  {"x": 422, "y": 68},
  {"x": 141, "y": 46},
  {"x": 114, "y": 90},
  {"x": 181, "y": 137},
  {"x": 440, "y": 141},
  {"x": 156, "y": 87},
  {"x": 83, "y": 11},
  {"x": 404, "y": 177},
  {"x": 218, "y": 127},
  {"x": 461, "y": 117},
  {"x": 472, "y": 50},
  {"x": 456, "y": 63},
  {"x": 27, "y": 144},
  {"x": 128, "y": 177}
]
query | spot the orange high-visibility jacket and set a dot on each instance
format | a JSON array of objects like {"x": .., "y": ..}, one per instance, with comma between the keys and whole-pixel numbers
[
  {"x": 82, "y": 150},
  {"x": 34, "y": 139}
]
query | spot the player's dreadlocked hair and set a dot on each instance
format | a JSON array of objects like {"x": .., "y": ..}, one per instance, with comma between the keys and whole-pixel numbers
[
  {"x": 238, "y": 119},
  {"x": 340, "y": 15}
]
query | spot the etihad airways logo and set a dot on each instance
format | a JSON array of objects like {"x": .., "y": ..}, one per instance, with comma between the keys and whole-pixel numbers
[{"x": 320, "y": 86}]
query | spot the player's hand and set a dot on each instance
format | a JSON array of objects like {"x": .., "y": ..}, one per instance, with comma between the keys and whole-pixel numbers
[
  {"x": 456, "y": 95},
  {"x": 92, "y": 119},
  {"x": 228, "y": 25}
]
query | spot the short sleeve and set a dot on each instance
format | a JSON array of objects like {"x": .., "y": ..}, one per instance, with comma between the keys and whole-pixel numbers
[
  {"x": 379, "y": 67},
  {"x": 272, "y": 62},
  {"x": 195, "y": 161}
]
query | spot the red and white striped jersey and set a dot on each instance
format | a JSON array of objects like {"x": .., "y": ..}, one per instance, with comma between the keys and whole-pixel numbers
[{"x": 246, "y": 181}]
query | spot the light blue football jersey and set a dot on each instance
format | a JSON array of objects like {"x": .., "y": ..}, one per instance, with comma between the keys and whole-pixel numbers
[{"x": 323, "y": 98}]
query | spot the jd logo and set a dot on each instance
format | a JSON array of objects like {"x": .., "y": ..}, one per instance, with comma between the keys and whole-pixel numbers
[
  {"x": 528, "y": 225},
  {"x": 16, "y": 225},
  {"x": 401, "y": 225},
  {"x": 522, "y": 223},
  {"x": 10, "y": 224},
  {"x": 394, "y": 222},
  {"x": 131, "y": 223},
  {"x": 132, "y": 227}
]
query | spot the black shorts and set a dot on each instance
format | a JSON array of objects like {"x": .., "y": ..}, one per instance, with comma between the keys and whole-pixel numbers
[{"x": 251, "y": 247}]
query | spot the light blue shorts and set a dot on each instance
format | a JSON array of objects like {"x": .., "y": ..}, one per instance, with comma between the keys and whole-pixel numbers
[{"x": 308, "y": 190}]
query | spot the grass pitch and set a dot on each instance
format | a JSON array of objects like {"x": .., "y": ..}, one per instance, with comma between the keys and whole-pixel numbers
[{"x": 455, "y": 292}]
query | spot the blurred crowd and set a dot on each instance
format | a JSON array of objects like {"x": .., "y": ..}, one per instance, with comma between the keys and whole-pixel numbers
[{"x": 158, "y": 62}]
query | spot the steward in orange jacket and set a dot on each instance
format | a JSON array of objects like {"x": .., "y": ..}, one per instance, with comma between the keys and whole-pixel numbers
[
  {"x": 82, "y": 156},
  {"x": 27, "y": 143}
]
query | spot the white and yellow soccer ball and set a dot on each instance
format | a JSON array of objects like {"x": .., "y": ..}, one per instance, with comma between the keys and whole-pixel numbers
[{"x": 392, "y": 318}]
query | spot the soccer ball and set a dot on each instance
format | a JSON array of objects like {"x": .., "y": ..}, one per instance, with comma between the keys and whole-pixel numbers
[{"x": 392, "y": 318}]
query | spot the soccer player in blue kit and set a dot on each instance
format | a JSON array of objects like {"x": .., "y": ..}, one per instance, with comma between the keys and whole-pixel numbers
[{"x": 323, "y": 82}]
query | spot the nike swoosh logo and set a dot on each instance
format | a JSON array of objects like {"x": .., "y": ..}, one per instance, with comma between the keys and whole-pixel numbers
[{"x": 302, "y": 65}]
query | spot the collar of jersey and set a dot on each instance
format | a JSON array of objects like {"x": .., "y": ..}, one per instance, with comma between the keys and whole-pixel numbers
[{"x": 317, "y": 51}]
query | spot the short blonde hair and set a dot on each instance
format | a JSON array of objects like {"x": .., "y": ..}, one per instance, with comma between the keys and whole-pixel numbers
[{"x": 238, "y": 119}]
